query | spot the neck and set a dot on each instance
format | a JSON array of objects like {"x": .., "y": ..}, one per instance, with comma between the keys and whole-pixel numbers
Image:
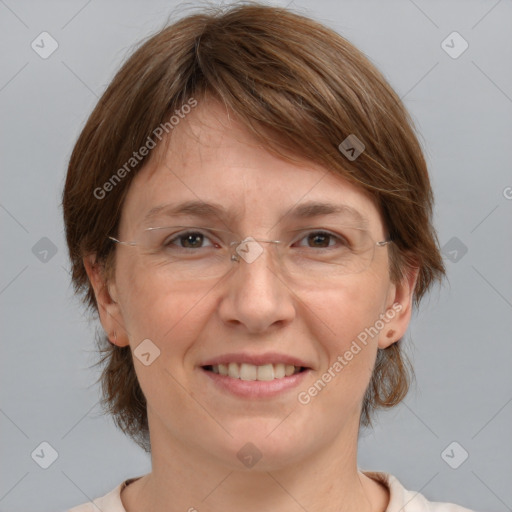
[{"x": 184, "y": 478}]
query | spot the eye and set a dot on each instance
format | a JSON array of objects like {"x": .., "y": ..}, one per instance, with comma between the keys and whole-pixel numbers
[
  {"x": 323, "y": 239},
  {"x": 187, "y": 240}
]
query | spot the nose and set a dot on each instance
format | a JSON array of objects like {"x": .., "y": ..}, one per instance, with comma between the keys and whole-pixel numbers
[{"x": 255, "y": 294}]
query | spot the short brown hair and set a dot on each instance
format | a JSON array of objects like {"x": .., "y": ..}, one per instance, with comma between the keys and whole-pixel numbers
[{"x": 282, "y": 74}]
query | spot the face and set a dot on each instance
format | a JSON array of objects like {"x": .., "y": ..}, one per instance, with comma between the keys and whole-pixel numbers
[{"x": 253, "y": 314}]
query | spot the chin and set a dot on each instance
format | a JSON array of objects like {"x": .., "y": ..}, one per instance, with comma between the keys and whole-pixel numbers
[{"x": 257, "y": 445}]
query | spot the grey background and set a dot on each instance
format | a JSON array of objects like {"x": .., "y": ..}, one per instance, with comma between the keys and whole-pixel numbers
[{"x": 461, "y": 337}]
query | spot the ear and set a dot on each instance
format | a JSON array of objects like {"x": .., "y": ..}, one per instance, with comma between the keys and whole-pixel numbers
[
  {"x": 399, "y": 309},
  {"x": 109, "y": 311}
]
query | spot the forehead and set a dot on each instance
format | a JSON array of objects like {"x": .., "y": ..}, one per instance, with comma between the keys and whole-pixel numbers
[{"x": 214, "y": 167}]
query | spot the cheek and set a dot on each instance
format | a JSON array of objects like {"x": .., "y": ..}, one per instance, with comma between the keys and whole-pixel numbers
[
  {"x": 348, "y": 329},
  {"x": 173, "y": 320},
  {"x": 342, "y": 313},
  {"x": 154, "y": 308}
]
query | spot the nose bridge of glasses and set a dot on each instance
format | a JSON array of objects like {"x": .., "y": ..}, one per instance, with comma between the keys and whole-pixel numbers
[{"x": 249, "y": 249}]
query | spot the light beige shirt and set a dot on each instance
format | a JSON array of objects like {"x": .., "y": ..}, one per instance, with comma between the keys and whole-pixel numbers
[{"x": 401, "y": 500}]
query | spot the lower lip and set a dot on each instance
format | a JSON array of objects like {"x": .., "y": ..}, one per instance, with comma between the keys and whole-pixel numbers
[{"x": 255, "y": 388}]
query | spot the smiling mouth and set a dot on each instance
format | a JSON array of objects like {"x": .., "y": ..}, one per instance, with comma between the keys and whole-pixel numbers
[{"x": 245, "y": 371}]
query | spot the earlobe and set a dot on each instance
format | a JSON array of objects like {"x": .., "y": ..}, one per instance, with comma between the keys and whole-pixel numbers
[
  {"x": 399, "y": 310},
  {"x": 109, "y": 311},
  {"x": 390, "y": 334}
]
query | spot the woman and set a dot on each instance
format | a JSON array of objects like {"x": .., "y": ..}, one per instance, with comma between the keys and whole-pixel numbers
[{"x": 249, "y": 212}]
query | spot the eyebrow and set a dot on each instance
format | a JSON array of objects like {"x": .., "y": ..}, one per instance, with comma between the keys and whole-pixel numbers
[
  {"x": 193, "y": 208},
  {"x": 205, "y": 210},
  {"x": 315, "y": 209}
]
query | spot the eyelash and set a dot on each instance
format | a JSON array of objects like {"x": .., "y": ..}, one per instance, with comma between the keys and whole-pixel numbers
[{"x": 183, "y": 235}]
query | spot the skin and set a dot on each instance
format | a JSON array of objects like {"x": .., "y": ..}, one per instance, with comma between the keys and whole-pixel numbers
[{"x": 309, "y": 452}]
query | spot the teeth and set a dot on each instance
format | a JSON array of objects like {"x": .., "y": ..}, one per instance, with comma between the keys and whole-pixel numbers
[
  {"x": 233, "y": 371},
  {"x": 247, "y": 371},
  {"x": 280, "y": 371},
  {"x": 266, "y": 372}
]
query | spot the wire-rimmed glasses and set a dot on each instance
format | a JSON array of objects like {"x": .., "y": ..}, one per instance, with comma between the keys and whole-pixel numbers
[{"x": 307, "y": 254}]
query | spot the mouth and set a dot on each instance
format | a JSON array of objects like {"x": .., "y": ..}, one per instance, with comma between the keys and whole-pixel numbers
[
  {"x": 251, "y": 372},
  {"x": 254, "y": 377}
]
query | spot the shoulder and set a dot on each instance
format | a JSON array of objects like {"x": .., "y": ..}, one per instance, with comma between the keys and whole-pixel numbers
[
  {"x": 111, "y": 502},
  {"x": 402, "y": 500}
]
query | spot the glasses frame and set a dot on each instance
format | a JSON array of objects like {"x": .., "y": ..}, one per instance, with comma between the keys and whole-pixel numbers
[{"x": 234, "y": 255}]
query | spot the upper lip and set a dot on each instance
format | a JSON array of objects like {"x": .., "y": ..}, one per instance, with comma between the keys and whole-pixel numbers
[{"x": 255, "y": 359}]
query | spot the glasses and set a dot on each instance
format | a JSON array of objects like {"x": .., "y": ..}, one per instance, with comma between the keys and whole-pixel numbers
[{"x": 193, "y": 253}]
